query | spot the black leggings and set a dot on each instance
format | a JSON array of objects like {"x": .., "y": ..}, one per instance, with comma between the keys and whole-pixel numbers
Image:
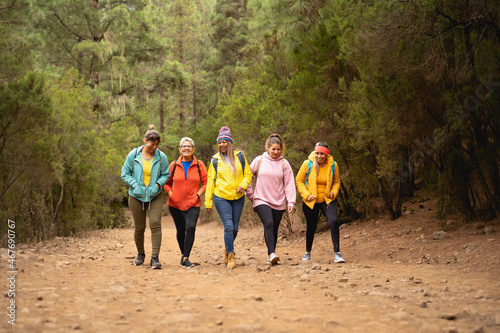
[
  {"x": 185, "y": 223},
  {"x": 312, "y": 217},
  {"x": 271, "y": 219}
]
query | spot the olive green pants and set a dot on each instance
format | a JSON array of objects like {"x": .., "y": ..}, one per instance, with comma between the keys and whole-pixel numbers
[{"x": 139, "y": 215}]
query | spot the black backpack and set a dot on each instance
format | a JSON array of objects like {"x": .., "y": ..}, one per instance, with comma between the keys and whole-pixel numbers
[
  {"x": 175, "y": 166},
  {"x": 215, "y": 161}
]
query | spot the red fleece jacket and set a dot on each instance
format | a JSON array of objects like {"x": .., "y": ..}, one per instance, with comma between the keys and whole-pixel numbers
[{"x": 184, "y": 190}]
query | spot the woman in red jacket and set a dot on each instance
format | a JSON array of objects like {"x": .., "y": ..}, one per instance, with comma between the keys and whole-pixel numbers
[{"x": 187, "y": 183}]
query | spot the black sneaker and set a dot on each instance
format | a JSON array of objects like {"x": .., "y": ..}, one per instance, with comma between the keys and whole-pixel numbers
[
  {"x": 187, "y": 264},
  {"x": 140, "y": 259},
  {"x": 155, "y": 263},
  {"x": 182, "y": 261}
]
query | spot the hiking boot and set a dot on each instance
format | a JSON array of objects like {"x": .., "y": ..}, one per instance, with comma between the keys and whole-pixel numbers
[
  {"x": 140, "y": 259},
  {"x": 230, "y": 260},
  {"x": 187, "y": 264},
  {"x": 307, "y": 256},
  {"x": 155, "y": 263},
  {"x": 338, "y": 258},
  {"x": 225, "y": 257},
  {"x": 274, "y": 259}
]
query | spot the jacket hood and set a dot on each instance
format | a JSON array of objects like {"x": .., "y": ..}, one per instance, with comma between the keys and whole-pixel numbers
[
  {"x": 157, "y": 151},
  {"x": 329, "y": 158},
  {"x": 267, "y": 156}
]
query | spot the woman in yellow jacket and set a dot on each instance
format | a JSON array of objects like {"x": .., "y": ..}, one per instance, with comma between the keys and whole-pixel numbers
[
  {"x": 318, "y": 182},
  {"x": 228, "y": 177}
]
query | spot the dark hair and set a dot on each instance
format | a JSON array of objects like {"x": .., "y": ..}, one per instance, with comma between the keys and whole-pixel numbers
[
  {"x": 322, "y": 144},
  {"x": 316, "y": 164},
  {"x": 151, "y": 134},
  {"x": 276, "y": 139}
]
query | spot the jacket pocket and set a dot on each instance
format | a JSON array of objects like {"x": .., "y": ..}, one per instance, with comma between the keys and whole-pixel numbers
[
  {"x": 154, "y": 191},
  {"x": 139, "y": 191}
]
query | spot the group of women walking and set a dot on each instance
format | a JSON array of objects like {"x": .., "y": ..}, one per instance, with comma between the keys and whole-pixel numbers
[{"x": 268, "y": 183}]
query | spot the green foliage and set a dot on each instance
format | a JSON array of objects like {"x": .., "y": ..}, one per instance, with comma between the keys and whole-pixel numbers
[
  {"x": 71, "y": 182},
  {"x": 402, "y": 91}
]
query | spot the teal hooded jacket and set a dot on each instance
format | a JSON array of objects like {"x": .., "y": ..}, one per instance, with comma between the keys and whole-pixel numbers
[{"x": 132, "y": 175}]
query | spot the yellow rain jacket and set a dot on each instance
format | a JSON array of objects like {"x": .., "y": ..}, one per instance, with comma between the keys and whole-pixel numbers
[
  {"x": 332, "y": 185},
  {"x": 226, "y": 183}
]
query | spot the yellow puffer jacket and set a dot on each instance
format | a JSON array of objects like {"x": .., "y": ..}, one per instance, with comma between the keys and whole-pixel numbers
[
  {"x": 332, "y": 185},
  {"x": 226, "y": 183}
]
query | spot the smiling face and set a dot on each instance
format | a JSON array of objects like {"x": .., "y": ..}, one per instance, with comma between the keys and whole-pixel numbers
[
  {"x": 274, "y": 150},
  {"x": 223, "y": 146},
  {"x": 187, "y": 151},
  {"x": 320, "y": 157},
  {"x": 151, "y": 145}
]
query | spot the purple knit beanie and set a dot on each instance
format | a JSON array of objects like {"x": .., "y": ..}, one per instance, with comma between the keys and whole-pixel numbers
[{"x": 225, "y": 134}]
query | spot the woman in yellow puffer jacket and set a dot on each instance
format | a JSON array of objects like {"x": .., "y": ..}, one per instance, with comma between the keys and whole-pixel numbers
[
  {"x": 228, "y": 177},
  {"x": 318, "y": 182}
]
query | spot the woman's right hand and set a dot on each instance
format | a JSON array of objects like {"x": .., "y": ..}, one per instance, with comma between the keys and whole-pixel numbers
[
  {"x": 311, "y": 197},
  {"x": 169, "y": 193}
]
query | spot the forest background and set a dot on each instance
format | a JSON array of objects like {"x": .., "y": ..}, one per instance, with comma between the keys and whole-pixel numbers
[{"x": 405, "y": 92}]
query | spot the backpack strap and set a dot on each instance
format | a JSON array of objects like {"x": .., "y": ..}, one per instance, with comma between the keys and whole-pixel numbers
[
  {"x": 175, "y": 166},
  {"x": 215, "y": 161},
  {"x": 309, "y": 166},
  {"x": 257, "y": 173},
  {"x": 241, "y": 157},
  {"x": 173, "y": 173},
  {"x": 133, "y": 161}
]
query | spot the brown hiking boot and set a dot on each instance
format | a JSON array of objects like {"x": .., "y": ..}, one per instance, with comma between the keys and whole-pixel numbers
[
  {"x": 230, "y": 260},
  {"x": 225, "y": 257}
]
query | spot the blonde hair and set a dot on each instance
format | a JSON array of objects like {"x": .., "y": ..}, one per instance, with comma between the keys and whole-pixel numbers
[{"x": 230, "y": 155}]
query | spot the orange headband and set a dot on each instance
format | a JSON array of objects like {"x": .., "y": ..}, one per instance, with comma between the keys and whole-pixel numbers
[{"x": 321, "y": 149}]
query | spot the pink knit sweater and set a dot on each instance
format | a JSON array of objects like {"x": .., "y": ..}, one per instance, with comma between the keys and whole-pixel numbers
[{"x": 275, "y": 182}]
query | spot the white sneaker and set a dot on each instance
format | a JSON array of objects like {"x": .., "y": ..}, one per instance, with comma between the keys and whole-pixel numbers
[
  {"x": 338, "y": 258},
  {"x": 307, "y": 256},
  {"x": 274, "y": 259}
]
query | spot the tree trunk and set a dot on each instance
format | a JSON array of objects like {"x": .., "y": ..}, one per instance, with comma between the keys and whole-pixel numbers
[
  {"x": 162, "y": 113},
  {"x": 194, "y": 103}
]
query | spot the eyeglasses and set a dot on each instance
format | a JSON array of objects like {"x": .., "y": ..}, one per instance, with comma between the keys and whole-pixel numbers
[{"x": 186, "y": 146}]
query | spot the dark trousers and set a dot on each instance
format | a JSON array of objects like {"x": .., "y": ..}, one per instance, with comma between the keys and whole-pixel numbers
[
  {"x": 312, "y": 217},
  {"x": 185, "y": 223},
  {"x": 271, "y": 219}
]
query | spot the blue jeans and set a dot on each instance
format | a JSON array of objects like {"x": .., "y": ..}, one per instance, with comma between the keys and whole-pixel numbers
[{"x": 230, "y": 213}]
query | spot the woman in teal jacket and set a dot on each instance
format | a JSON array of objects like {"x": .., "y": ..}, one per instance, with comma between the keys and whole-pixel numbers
[{"x": 146, "y": 171}]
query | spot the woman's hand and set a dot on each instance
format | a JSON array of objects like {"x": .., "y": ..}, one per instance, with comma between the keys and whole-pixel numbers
[
  {"x": 169, "y": 193},
  {"x": 290, "y": 209},
  {"x": 311, "y": 197},
  {"x": 331, "y": 195},
  {"x": 240, "y": 189}
]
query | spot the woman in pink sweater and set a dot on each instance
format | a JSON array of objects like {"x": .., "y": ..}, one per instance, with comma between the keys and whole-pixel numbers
[{"x": 274, "y": 187}]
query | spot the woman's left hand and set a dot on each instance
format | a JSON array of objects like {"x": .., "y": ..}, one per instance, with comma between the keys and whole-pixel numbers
[
  {"x": 331, "y": 195},
  {"x": 290, "y": 209},
  {"x": 240, "y": 189}
]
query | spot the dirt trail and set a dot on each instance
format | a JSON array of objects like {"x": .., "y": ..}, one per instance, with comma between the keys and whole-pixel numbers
[{"x": 396, "y": 279}]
